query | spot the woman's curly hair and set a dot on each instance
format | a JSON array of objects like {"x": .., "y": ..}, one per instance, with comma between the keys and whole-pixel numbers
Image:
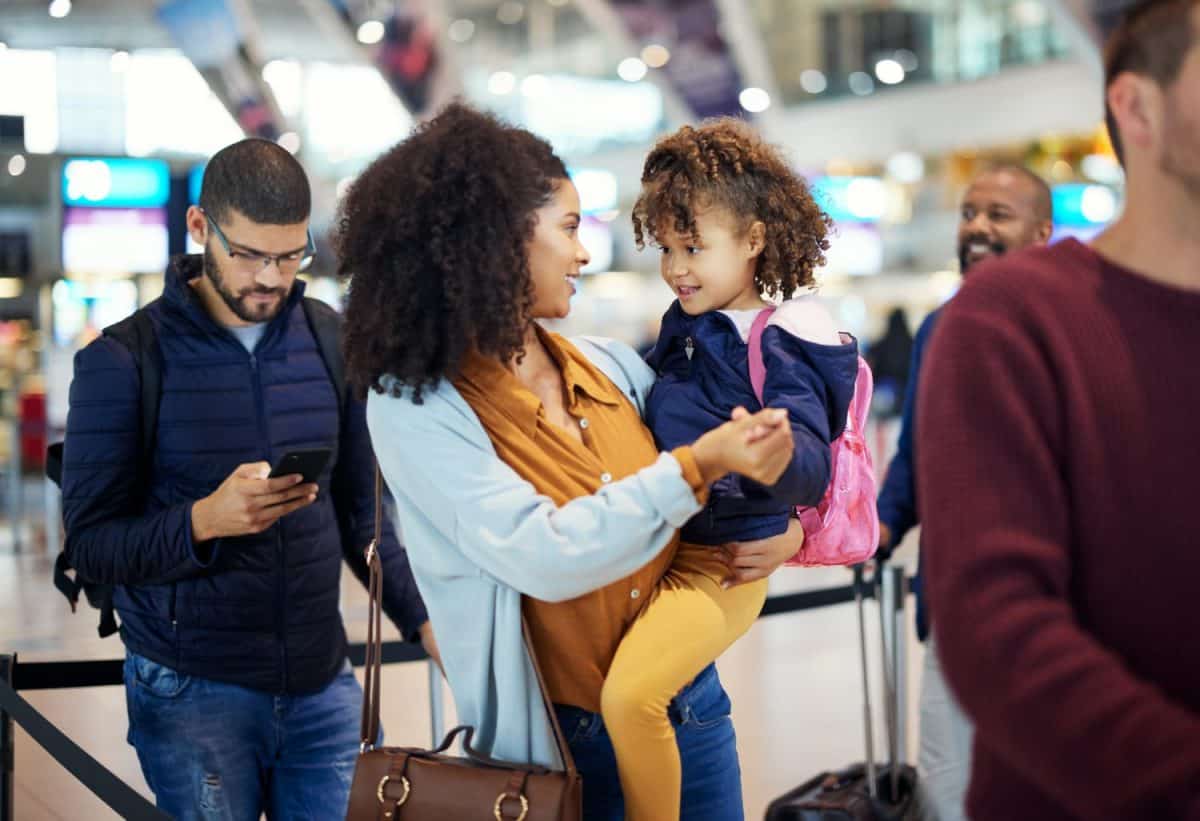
[
  {"x": 725, "y": 163},
  {"x": 432, "y": 238}
]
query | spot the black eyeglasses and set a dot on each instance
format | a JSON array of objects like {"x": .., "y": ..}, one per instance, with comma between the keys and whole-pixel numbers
[{"x": 255, "y": 262}]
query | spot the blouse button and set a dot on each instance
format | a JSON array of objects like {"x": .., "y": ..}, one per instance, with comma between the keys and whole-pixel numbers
[
  {"x": 606, "y": 478},
  {"x": 634, "y": 593},
  {"x": 583, "y": 423}
]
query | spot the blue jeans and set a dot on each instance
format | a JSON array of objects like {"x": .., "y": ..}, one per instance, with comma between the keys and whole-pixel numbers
[
  {"x": 219, "y": 751},
  {"x": 712, "y": 777}
]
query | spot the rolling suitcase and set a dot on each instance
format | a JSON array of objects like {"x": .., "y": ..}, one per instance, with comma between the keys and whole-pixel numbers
[{"x": 865, "y": 791}]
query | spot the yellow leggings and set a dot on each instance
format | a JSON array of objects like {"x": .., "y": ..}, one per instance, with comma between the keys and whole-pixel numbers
[{"x": 688, "y": 622}]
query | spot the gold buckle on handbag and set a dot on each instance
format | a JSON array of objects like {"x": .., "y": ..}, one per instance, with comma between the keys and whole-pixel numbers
[
  {"x": 384, "y": 782},
  {"x": 497, "y": 809}
]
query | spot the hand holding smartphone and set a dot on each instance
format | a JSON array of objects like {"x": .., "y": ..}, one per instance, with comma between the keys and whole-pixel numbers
[
  {"x": 307, "y": 464},
  {"x": 249, "y": 502}
]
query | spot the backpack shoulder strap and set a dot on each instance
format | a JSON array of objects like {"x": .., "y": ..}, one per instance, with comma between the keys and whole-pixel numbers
[
  {"x": 136, "y": 332},
  {"x": 326, "y": 325},
  {"x": 758, "y": 368},
  {"x": 864, "y": 387}
]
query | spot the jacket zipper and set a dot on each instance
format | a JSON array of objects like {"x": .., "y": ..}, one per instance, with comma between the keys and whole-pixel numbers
[
  {"x": 281, "y": 584},
  {"x": 689, "y": 348}
]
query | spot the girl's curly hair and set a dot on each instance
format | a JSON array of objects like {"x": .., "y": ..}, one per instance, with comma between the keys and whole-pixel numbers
[
  {"x": 725, "y": 163},
  {"x": 432, "y": 238}
]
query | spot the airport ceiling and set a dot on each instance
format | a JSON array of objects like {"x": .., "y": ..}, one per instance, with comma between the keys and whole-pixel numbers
[{"x": 286, "y": 30}]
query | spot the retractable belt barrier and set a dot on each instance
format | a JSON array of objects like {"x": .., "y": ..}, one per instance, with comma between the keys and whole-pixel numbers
[
  {"x": 127, "y": 802},
  {"x": 114, "y": 792}
]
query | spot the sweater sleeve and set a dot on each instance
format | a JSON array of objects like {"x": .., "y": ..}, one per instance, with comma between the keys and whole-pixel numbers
[{"x": 1048, "y": 699}]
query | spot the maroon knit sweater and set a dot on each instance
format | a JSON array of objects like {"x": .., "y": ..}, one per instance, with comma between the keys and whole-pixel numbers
[{"x": 1059, "y": 487}]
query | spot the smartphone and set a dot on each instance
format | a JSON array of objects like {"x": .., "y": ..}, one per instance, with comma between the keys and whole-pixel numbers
[{"x": 305, "y": 463}]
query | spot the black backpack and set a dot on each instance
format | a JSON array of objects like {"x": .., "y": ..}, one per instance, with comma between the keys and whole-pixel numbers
[{"x": 136, "y": 332}]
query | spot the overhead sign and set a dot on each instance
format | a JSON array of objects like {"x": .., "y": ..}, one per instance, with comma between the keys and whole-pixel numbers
[
  {"x": 116, "y": 183},
  {"x": 850, "y": 199},
  {"x": 107, "y": 242},
  {"x": 195, "y": 183},
  {"x": 1080, "y": 205}
]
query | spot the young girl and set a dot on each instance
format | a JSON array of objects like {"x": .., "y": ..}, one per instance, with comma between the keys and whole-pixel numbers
[{"x": 736, "y": 226}]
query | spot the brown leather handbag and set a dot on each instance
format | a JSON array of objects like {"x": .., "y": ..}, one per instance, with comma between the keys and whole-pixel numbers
[{"x": 411, "y": 784}]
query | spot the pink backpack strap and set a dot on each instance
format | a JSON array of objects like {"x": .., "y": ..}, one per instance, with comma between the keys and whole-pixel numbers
[
  {"x": 864, "y": 386},
  {"x": 758, "y": 368}
]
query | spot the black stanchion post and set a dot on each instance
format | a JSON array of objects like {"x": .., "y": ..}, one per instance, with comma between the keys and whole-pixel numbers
[
  {"x": 899, "y": 603},
  {"x": 7, "y": 745}
]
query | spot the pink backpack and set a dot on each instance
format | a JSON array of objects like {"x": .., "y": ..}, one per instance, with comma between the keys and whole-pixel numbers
[{"x": 843, "y": 529}]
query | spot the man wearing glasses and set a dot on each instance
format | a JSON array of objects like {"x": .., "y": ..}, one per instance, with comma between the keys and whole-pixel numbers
[{"x": 240, "y": 697}]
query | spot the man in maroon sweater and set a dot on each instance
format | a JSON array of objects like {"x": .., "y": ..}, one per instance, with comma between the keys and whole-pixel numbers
[{"x": 1059, "y": 478}]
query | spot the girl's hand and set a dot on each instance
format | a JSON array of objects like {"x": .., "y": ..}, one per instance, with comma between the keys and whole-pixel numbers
[
  {"x": 751, "y": 561},
  {"x": 757, "y": 446},
  {"x": 758, "y": 433}
]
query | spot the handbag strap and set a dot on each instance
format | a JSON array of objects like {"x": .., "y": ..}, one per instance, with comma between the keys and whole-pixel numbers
[
  {"x": 559, "y": 739},
  {"x": 370, "y": 706}
]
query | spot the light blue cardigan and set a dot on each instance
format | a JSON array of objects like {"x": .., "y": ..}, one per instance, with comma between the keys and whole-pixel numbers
[{"x": 479, "y": 536}]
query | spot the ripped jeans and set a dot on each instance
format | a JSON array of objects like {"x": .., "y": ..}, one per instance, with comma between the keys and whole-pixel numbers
[{"x": 218, "y": 751}]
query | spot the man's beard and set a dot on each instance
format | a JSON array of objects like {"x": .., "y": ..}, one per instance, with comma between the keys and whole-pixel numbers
[
  {"x": 1181, "y": 154},
  {"x": 237, "y": 301}
]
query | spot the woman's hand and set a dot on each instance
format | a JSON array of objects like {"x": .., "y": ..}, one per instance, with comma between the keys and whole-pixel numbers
[
  {"x": 757, "y": 446},
  {"x": 751, "y": 561},
  {"x": 759, "y": 430}
]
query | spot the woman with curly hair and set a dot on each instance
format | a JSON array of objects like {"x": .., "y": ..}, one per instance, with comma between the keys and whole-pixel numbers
[
  {"x": 525, "y": 481},
  {"x": 735, "y": 225}
]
